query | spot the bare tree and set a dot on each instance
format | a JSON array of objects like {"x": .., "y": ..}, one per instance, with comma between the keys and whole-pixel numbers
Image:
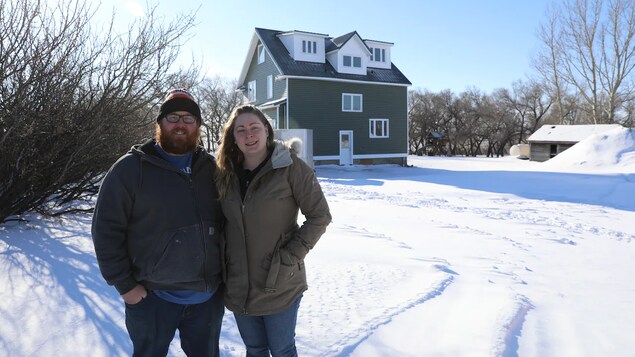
[
  {"x": 217, "y": 97},
  {"x": 505, "y": 117},
  {"x": 589, "y": 52},
  {"x": 424, "y": 114},
  {"x": 73, "y": 98},
  {"x": 468, "y": 131},
  {"x": 548, "y": 63},
  {"x": 530, "y": 105}
]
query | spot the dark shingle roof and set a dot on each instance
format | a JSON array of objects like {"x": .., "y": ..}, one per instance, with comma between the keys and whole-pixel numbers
[{"x": 290, "y": 67}]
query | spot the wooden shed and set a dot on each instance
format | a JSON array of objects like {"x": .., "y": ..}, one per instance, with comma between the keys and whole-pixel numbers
[{"x": 550, "y": 140}]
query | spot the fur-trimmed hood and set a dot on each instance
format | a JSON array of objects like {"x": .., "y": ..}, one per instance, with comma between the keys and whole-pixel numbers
[{"x": 282, "y": 152}]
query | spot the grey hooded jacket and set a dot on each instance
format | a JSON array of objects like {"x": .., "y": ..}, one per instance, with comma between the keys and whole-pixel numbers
[
  {"x": 157, "y": 226},
  {"x": 264, "y": 248}
]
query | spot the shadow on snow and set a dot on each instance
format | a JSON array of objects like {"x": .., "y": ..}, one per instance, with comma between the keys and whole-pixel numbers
[
  {"x": 43, "y": 256},
  {"x": 608, "y": 190}
]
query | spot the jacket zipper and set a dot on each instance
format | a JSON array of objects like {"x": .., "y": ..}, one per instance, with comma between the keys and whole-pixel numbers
[
  {"x": 242, "y": 211},
  {"x": 206, "y": 283}
]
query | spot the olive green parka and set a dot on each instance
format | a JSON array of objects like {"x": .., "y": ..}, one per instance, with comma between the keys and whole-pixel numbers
[{"x": 263, "y": 247}]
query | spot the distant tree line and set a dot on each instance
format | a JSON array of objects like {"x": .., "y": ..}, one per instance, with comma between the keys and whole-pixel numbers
[
  {"x": 474, "y": 123},
  {"x": 74, "y": 97},
  {"x": 584, "y": 74}
]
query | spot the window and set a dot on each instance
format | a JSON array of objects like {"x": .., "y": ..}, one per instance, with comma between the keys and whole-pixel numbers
[
  {"x": 378, "y": 128},
  {"x": 261, "y": 54},
  {"x": 251, "y": 91},
  {"x": 351, "y": 102},
  {"x": 309, "y": 46},
  {"x": 378, "y": 54},
  {"x": 269, "y": 86},
  {"x": 350, "y": 61}
]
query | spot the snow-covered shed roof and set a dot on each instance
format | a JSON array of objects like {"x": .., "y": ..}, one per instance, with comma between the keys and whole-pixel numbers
[{"x": 568, "y": 133}]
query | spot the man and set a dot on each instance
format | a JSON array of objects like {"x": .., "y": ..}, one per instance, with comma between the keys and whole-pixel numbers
[{"x": 156, "y": 235}]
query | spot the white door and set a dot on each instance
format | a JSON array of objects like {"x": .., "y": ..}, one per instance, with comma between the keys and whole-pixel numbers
[{"x": 346, "y": 147}]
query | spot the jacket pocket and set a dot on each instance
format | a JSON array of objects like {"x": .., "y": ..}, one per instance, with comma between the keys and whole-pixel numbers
[
  {"x": 279, "y": 274},
  {"x": 179, "y": 256}
]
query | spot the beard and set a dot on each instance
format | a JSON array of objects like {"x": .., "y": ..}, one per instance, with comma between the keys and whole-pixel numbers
[{"x": 177, "y": 144}]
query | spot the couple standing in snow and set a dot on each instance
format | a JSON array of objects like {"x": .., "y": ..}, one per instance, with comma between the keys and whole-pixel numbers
[{"x": 180, "y": 234}]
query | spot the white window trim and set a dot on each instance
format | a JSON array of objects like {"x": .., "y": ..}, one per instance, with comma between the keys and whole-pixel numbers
[
  {"x": 382, "y": 55},
  {"x": 352, "y": 95},
  {"x": 371, "y": 128},
  {"x": 261, "y": 54},
  {"x": 352, "y": 61},
  {"x": 269, "y": 86},
  {"x": 251, "y": 91},
  {"x": 309, "y": 46}
]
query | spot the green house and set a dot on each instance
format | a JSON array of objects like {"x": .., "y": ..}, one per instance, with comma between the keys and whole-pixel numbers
[{"x": 346, "y": 90}]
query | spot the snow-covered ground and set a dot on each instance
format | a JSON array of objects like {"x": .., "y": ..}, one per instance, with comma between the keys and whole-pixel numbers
[{"x": 450, "y": 257}]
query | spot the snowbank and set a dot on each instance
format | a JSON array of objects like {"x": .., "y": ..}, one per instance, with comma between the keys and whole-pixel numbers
[{"x": 613, "y": 148}]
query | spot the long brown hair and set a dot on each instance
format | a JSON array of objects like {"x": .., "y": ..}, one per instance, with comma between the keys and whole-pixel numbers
[{"x": 228, "y": 154}]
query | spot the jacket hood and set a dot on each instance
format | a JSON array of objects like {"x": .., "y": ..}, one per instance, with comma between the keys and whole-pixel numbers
[
  {"x": 281, "y": 156},
  {"x": 147, "y": 153}
]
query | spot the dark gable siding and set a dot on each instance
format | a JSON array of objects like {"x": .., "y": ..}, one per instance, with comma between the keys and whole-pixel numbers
[
  {"x": 317, "y": 105},
  {"x": 259, "y": 72}
]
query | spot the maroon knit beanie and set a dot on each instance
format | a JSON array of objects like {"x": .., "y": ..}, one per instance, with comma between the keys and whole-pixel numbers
[{"x": 179, "y": 99}]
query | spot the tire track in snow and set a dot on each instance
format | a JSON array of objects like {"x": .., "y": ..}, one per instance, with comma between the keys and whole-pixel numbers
[
  {"x": 512, "y": 330},
  {"x": 370, "y": 281},
  {"x": 351, "y": 341}
]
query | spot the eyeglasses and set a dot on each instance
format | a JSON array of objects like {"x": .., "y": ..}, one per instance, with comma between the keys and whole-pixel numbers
[{"x": 187, "y": 118}]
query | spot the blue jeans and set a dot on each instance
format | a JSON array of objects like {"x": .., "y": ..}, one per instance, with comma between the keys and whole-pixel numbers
[
  {"x": 153, "y": 322},
  {"x": 270, "y": 333}
]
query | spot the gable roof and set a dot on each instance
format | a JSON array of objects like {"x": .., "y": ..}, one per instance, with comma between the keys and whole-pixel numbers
[
  {"x": 568, "y": 133},
  {"x": 339, "y": 42},
  {"x": 288, "y": 67}
]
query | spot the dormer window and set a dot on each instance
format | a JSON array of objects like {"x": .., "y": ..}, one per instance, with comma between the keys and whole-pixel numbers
[
  {"x": 309, "y": 46},
  {"x": 352, "y": 61},
  {"x": 305, "y": 46},
  {"x": 378, "y": 55}
]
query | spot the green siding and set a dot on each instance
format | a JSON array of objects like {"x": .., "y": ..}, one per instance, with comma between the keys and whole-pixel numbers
[
  {"x": 259, "y": 73},
  {"x": 317, "y": 105}
]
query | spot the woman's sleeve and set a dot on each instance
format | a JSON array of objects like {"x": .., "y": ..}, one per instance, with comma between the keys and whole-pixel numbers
[{"x": 310, "y": 198}]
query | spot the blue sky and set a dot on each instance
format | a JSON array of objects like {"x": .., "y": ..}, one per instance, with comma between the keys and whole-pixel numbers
[{"x": 442, "y": 44}]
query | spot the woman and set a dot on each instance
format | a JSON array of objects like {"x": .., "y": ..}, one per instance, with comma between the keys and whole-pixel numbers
[{"x": 262, "y": 184}]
